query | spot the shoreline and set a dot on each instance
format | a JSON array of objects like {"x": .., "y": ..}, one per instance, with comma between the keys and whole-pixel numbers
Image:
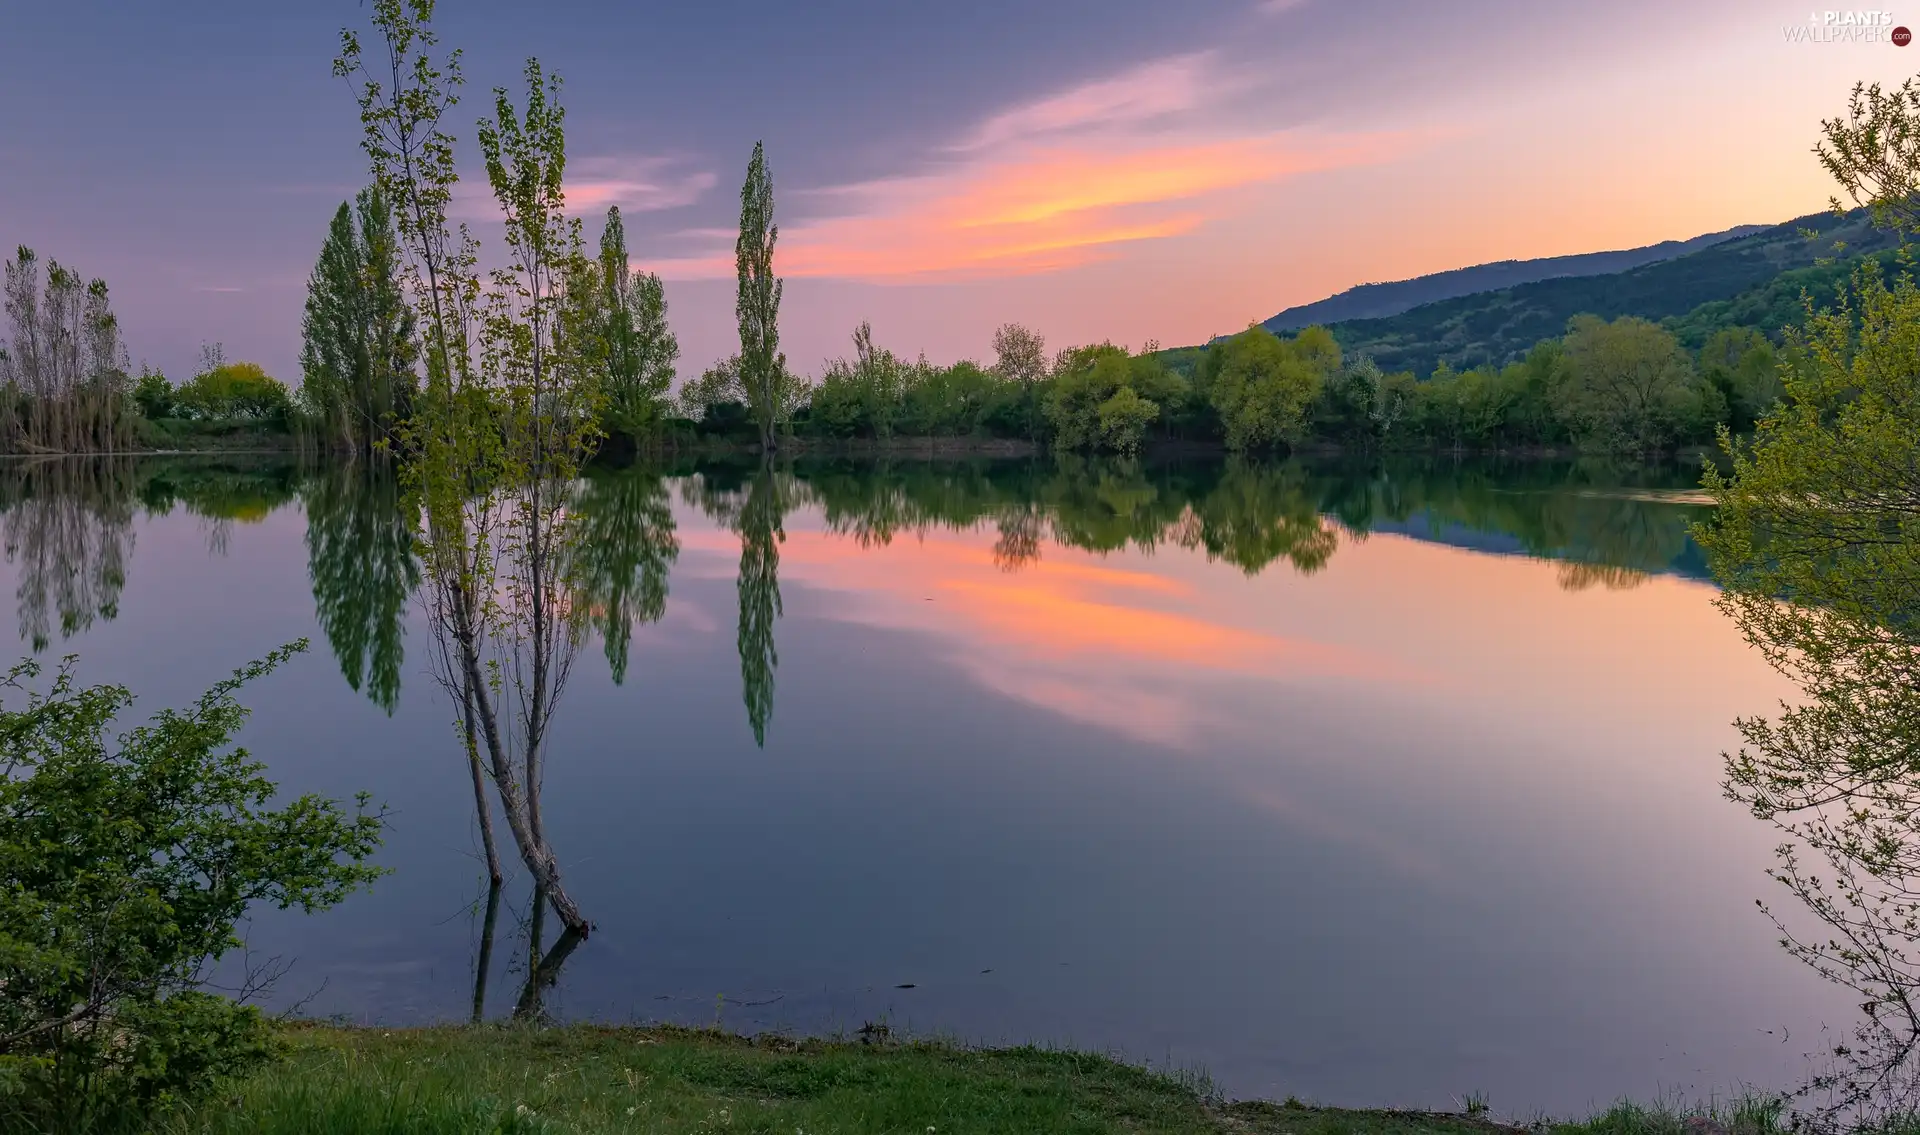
[
  {"x": 957, "y": 448},
  {"x": 588, "y": 1078}
]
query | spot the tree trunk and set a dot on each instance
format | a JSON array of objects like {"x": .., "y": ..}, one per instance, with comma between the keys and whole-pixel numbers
[{"x": 484, "y": 964}]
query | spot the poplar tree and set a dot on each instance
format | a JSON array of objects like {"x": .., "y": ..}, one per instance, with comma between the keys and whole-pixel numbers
[
  {"x": 640, "y": 349},
  {"x": 507, "y": 415},
  {"x": 357, "y": 356},
  {"x": 763, "y": 368}
]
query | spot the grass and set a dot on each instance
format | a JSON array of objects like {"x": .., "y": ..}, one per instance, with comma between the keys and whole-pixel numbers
[{"x": 587, "y": 1080}]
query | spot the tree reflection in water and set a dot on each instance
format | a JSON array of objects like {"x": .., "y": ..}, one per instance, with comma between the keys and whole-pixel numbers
[
  {"x": 361, "y": 561},
  {"x": 69, "y": 533}
]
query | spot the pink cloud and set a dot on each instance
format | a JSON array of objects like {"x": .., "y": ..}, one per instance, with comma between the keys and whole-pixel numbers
[
  {"x": 635, "y": 184},
  {"x": 1054, "y": 183},
  {"x": 1037, "y": 208},
  {"x": 1152, "y": 90}
]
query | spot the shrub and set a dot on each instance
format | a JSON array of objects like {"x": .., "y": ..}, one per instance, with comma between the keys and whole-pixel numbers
[
  {"x": 124, "y": 866},
  {"x": 236, "y": 390},
  {"x": 153, "y": 394},
  {"x": 1262, "y": 385}
]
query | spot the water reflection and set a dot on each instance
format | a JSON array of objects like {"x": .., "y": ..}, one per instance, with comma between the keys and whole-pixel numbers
[
  {"x": 756, "y": 511},
  {"x": 68, "y": 527},
  {"x": 360, "y": 556},
  {"x": 1079, "y": 668},
  {"x": 623, "y": 556}
]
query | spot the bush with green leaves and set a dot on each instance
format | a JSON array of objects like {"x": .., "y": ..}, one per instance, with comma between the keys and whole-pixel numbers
[
  {"x": 126, "y": 863},
  {"x": 153, "y": 394},
  {"x": 1262, "y": 385},
  {"x": 1103, "y": 397},
  {"x": 236, "y": 391}
]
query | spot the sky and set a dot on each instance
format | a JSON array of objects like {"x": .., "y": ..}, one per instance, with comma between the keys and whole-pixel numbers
[{"x": 1118, "y": 170}]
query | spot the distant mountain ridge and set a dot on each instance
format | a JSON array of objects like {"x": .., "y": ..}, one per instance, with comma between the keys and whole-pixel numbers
[
  {"x": 1495, "y": 328},
  {"x": 1379, "y": 301}
]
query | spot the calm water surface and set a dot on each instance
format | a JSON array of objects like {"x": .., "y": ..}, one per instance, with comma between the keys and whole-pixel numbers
[{"x": 1370, "y": 786}]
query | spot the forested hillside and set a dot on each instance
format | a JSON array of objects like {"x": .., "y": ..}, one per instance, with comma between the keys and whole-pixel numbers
[
  {"x": 1377, "y": 301},
  {"x": 1743, "y": 275}
]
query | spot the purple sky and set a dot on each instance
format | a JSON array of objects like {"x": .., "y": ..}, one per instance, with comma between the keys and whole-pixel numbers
[{"x": 1114, "y": 169}]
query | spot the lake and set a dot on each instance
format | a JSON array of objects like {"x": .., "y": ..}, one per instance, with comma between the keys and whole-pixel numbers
[{"x": 1370, "y": 784}]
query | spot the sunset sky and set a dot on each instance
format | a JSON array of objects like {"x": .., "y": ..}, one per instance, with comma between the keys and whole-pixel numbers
[{"x": 1116, "y": 170}]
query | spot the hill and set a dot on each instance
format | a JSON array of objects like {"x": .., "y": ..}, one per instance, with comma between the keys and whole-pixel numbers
[
  {"x": 1499, "y": 326},
  {"x": 1377, "y": 301}
]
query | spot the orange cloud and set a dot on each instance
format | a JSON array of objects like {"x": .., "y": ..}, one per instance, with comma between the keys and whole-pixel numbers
[
  {"x": 1058, "y": 182},
  {"x": 1041, "y": 208}
]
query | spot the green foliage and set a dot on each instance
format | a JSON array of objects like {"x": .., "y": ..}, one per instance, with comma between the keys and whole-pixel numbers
[
  {"x": 763, "y": 367},
  {"x": 1775, "y": 305},
  {"x": 128, "y": 863},
  {"x": 635, "y": 344},
  {"x": 153, "y": 394},
  {"x": 876, "y": 394},
  {"x": 1742, "y": 368},
  {"x": 1484, "y": 408},
  {"x": 509, "y": 411},
  {"x": 954, "y": 401},
  {"x": 1019, "y": 360},
  {"x": 1262, "y": 386},
  {"x": 860, "y": 396},
  {"x": 358, "y": 353},
  {"x": 1086, "y": 407},
  {"x": 1495, "y": 328},
  {"x": 1124, "y": 419},
  {"x": 1628, "y": 386},
  {"x": 1873, "y": 151},
  {"x": 235, "y": 392},
  {"x": 1818, "y": 511}
]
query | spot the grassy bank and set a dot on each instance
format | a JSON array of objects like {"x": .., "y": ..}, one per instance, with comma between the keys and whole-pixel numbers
[{"x": 591, "y": 1080}]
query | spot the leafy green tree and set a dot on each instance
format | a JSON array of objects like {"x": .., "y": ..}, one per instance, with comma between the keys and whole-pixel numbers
[
  {"x": 640, "y": 349},
  {"x": 1816, "y": 542},
  {"x": 951, "y": 401},
  {"x": 717, "y": 386},
  {"x": 508, "y": 414},
  {"x": 1741, "y": 365},
  {"x": 129, "y": 860},
  {"x": 358, "y": 352},
  {"x": 1627, "y": 385},
  {"x": 153, "y": 394},
  {"x": 1020, "y": 357},
  {"x": 1085, "y": 379},
  {"x": 763, "y": 368},
  {"x": 235, "y": 391},
  {"x": 1262, "y": 386},
  {"x": 1873, "y": 151},
  {"x": 1124, "y": 419}
]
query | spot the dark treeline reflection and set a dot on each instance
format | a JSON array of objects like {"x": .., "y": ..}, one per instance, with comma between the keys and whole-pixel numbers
[
  {"x": 1609, "y": 524},
  {"x": 68, "y": 528}
]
